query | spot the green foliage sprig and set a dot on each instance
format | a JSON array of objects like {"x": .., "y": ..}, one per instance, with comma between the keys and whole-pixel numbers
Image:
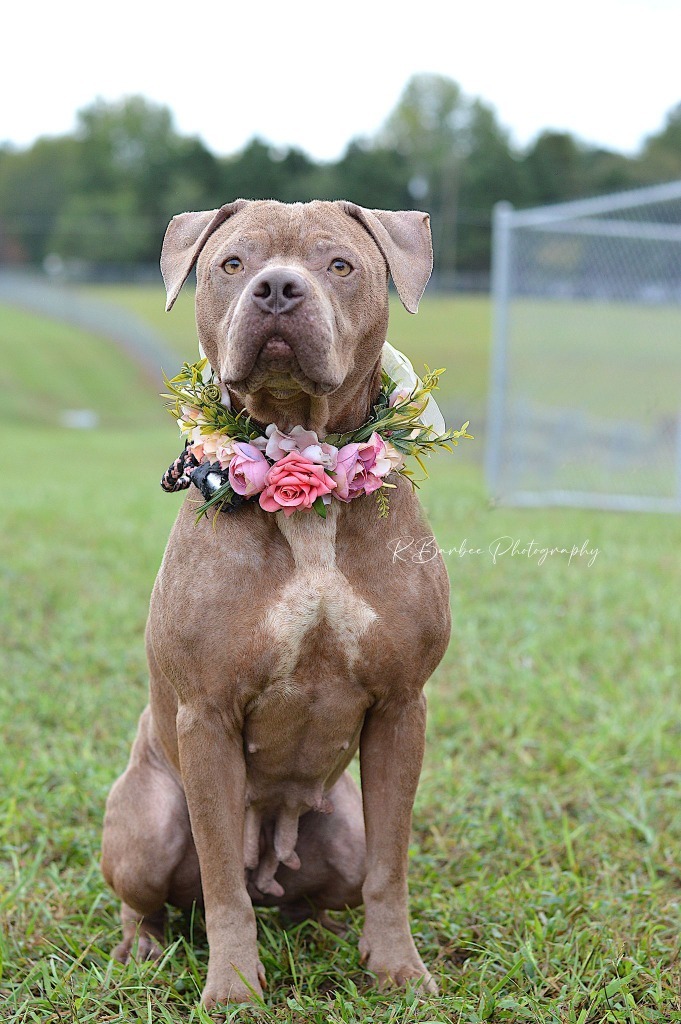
[
  {"x": 403, "y": 426},
  {"x": 189, "y": 389}
]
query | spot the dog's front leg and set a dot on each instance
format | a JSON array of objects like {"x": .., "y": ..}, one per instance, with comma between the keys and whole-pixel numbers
[
  {"x": 214, "y": 778},
  {"x": 391, "y": 754}
]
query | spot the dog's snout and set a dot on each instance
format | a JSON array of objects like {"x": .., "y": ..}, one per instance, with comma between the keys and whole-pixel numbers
[{"x": 279, "y": 291}]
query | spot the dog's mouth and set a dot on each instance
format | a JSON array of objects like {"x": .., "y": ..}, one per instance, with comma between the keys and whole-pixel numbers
[
  {"x": 277, "y": 370},
  {"x": 277, "y": 354}
]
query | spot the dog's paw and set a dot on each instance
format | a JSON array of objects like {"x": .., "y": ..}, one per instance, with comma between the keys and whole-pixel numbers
[
  {"x": 142, "y": 947},
  {"x": 394, "y": 966},
  {"x": 241, "y": 987}
]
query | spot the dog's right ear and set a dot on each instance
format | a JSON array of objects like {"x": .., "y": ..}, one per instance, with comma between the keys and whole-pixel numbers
[{"x": 184, "y": 239}]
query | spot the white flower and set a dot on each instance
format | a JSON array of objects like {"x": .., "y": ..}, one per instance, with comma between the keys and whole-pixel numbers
[
  {"x": 205, "y": 446},
  {"x": 395, "y": 458},
  {"x": 280, "y": 444},
  {"x": 224, "y": 397},
  {"x": 322, "y": 454},
  {"x": 225, "y": 451},
  {"x": 191, "y": 416}
]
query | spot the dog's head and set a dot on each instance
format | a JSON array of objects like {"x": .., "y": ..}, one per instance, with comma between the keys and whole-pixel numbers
[{"x": 292, "y": 300}]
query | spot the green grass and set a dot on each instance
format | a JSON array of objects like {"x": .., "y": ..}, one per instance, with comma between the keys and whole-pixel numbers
[
  {"x": 148, "y": 302},
  {"x": 50, "y": 368},
  {"x": 546, "y": 861}
]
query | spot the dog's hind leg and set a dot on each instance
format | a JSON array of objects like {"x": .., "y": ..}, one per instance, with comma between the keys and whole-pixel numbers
[
  {"x": 148, "y": 855},
  {"x": 143, "y": 935}
]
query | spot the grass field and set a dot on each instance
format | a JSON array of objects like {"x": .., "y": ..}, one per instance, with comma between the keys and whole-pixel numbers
[
  {"x": 546, "y": 859},
  {"x": 50, "y": 368}
]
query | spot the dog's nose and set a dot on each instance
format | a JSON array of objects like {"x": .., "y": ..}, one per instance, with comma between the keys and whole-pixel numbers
[{"x": 279, "y": 290}]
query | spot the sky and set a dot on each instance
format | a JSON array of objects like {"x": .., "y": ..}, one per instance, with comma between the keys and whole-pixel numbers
[{"x": 317, "y": 74}]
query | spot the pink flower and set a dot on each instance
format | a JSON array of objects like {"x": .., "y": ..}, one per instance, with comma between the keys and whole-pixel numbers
[
  {"x": 294, "y": 482},
  {"x": 398, "y": 396},
  {"x": 346, "y": 467},
  {"x": 191, "y": 416},
  {"x": 247, "y": 469},
  {"x": 300, "y": 440},
  {"x": 360, "y": 468},
  {"x": 378, "y": 457},
  {"x": 280, "y": 444}
]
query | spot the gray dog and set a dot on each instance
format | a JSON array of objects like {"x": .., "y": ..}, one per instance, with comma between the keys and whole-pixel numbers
[{"x": 279, "y": 646}]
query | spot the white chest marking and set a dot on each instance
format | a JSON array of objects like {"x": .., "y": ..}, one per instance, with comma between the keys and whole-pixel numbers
[{"x": 316, "y": 592}]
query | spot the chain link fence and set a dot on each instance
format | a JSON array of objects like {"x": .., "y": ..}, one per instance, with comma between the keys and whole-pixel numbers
[{"x": 585, "y": 398}]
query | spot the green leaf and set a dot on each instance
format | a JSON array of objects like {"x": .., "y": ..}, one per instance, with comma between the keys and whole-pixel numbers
[
  {"x": 319, "y": 507},
  {"x": 383, "y": 501},
  {"x": 223, "y": 496}
]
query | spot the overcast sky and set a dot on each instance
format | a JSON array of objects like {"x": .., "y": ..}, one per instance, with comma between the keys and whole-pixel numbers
[{"x": 318, "y": 72}]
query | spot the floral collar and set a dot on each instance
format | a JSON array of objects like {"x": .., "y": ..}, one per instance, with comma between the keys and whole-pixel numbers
[{"x": 231, "y": 461}]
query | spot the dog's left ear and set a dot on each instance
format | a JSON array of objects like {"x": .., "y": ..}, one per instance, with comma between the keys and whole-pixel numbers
[
  {"x": 404, "y": 239},
  {"x": 184, "y": 239}
]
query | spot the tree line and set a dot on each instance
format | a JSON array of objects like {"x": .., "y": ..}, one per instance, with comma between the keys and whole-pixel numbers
[{"x": 105, "y": 192}]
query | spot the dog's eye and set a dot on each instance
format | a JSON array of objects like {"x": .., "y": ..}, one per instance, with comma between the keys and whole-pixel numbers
[
  {"x": 340, "y": 267},
  {"x": 233, "y": 265}
]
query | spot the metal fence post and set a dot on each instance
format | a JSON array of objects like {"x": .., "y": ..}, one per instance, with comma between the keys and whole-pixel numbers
[
  {"x": 501, "y": 293},
  {"x": 678, "y": 462}
]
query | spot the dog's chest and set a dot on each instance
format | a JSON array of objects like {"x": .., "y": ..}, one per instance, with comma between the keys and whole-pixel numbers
[{"x": 307, "y": 717}]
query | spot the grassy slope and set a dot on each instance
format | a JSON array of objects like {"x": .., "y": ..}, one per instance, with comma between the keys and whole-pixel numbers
[
  {"x": 545, "y": 867},
  {"x": 51, "y": 367},
  {"x": 559, "y": 350}
]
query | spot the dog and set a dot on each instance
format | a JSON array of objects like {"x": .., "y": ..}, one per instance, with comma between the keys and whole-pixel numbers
[{"x": 280, "y": 646}]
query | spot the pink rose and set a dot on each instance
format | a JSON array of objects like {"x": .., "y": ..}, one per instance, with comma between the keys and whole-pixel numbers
[
  {"x": 346, "y": 467},
  {"x": 360, "y": 468},
  {"x": 294, "y": 482},
  {"x": 248, "y": 469}
]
